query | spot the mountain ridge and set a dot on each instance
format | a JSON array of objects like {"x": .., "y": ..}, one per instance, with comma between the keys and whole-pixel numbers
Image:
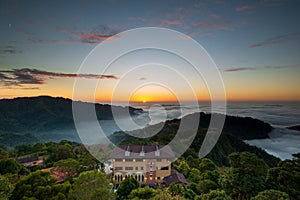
[
  {"x": 227, "y": 143},
  {"x": 45, "y": 114}
]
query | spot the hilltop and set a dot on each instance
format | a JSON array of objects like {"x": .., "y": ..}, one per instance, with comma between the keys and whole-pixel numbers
[
  {"x": 48, "y": 118},
  {"x": 236, "y": 129}
]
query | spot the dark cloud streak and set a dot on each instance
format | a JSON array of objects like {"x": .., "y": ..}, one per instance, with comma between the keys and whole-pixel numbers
[
  {"x": 9, "y": 49},
  {"x": 237, "y": 69},
  {"x": 27, "y": 76},
  {"x": 277, "y": 40}
]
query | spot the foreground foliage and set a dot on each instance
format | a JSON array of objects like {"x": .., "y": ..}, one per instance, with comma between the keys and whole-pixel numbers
[
  {"x": 126, "y": 187},
  {"x": 91, "y": 185},
  {"x": 271, "y": 195},
  {"x": 40, "y": 185},
  {"x": 246, "y": 177}
]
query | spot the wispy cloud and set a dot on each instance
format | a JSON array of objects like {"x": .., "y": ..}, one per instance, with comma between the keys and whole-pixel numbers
[
  {"x": 27, "y": 76},
  {"x": 212, "y": 24},
  {"x": 166, "y": 23},
  {"x": 142, "y": 78},
  {"x": 244, "y": 7},
  {"x": 239, "y": 69},
  {"x": 258, "y": 4},
  {"x": 281, "y": 66},
  {"x": 23, "y": 32},
  {"x": 202, "y": 24},
  {"x": 137, "y": 19},
  {"x": 277, "y": 40},
  {"x": 9, "y": 49},
  {"x": 215, "y": 16}
]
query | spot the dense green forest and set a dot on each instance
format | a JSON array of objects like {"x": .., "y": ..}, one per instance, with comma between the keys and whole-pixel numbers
[{"x": 245, "y": 177}]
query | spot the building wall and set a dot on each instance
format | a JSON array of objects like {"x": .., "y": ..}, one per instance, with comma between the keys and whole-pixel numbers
[{"x": 159, "y": 167}]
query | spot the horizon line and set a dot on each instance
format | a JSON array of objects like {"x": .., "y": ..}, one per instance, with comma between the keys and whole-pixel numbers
[{"x": 152, "y": 102}]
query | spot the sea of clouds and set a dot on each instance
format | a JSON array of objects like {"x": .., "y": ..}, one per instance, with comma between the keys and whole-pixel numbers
[{"x": 282, "y": 142}]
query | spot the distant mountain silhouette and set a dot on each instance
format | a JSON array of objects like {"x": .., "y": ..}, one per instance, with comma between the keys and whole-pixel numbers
[
  {"x": 45, "y": 114},
  {"x": 244, "y": 128},
  {"x": 10, "y": 140},
  {"x": 296, "y": 128},
  {"x": 33, "y": 119}
]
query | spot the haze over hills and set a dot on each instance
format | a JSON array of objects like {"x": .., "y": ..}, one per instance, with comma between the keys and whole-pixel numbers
[
  {"x": 47, "y": 118},
  {"x": 33, "y": 119}
]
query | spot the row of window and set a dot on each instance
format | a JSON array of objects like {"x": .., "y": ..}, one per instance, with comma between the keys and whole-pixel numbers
[
  {"x": 137, "y": 168},
  {"x": 142, "y": 153},
  {"x": 129, "y": 168},
  {"x": 138, "y": 177}
]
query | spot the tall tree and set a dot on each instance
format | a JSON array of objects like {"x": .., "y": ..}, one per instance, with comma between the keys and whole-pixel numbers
[
  {"x": 215, "y": 195},
  {"x": 286, "y": 177},
  {"x": 271, "y": 195},
  {"x": 245, "y": 177},
  {"x": 91, "y": 185},
  {"x": 206, "y": 165},
  {"x": 3, "y": 154},
  {"x": 183, "y": 168},
  {"x": 39, "y": 185},
  {"x": 9, "y": 166},
  {"x": 142, "y": 193},
  {"x": 204, "y": 186},
  {"x": 163, "y": 195},
  {"x": 6, "y": 188},
  {"x": 88, "y": 162},
  {"x": 68, "y": 168},
  {"x": 60, "y": 152},
  {"x": 126, "y": 187},
  {"x": 39, "y": 147},
  {"x": 176, "y": 189}
]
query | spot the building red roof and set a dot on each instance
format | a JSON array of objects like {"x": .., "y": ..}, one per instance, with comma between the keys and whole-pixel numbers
[
  {"x": 59, "y": 176},
  {"x": 175, "y": 177}
]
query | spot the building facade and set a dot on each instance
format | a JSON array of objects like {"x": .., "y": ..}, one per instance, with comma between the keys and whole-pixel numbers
[{"x": 148, "y": 164}]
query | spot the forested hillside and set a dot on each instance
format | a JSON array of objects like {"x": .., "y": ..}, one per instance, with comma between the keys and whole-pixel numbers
[{"x": 235, "y": 129}]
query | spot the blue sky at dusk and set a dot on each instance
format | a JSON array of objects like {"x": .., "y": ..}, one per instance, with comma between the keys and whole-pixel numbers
[{"x": 255, "y": 44}]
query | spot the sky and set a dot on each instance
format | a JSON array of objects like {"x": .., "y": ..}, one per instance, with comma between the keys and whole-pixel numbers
[{"x": 254, "y": 44}]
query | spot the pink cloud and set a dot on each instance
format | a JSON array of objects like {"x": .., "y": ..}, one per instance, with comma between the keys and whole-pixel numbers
[
  {"x": 94, "y": 37},
  {"x": 91, "y": 38},
  {"x": 215, "y": 16},
  {"x": 24, "y": 32},
  {"x": 165, "y": 23},
  {"x": 177, "y": 21},
  {"x": 201, "y": 24},
  {"x": 207, "y": 24},
  {"x": 243, "y": 8},
  {"x": 62, "y": 42}
]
